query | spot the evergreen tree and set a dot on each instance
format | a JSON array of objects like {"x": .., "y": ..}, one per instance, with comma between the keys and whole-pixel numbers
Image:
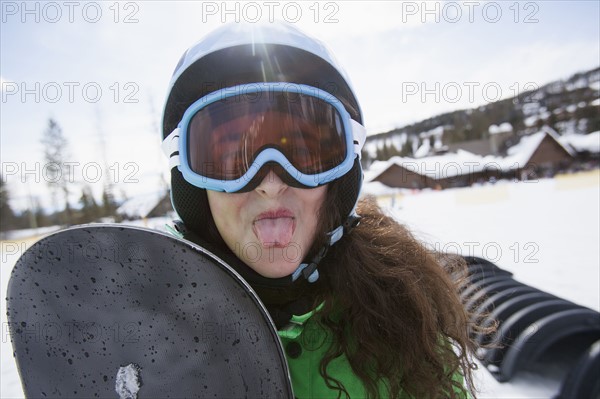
[
  {"x": 55, "y": 154},
  {"x": 7, "y": 216},
  {"x": 89, "y": 207},
  {"x": 109, "y": 205},
  {"x": 406, "y": 150}
]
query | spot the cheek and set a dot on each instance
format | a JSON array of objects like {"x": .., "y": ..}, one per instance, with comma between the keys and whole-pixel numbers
[
  {"x": 314, "y": 199},
  {"x": 225, "y": 211},
  {"x": 313, "y": 202},
  {"x": 216, "y": 206}
]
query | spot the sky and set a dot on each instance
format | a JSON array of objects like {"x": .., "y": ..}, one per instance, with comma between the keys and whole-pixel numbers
[{"x": 101, "y": 70}]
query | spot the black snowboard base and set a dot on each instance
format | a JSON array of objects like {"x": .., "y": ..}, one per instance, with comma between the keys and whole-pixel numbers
[{"x": 112, "y": 311}]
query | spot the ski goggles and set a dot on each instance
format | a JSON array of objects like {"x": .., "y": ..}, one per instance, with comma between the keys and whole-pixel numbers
[{"x": 226, "y": 137}]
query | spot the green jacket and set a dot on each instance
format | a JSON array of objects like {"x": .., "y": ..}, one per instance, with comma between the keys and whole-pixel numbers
[{"x": 305, "y": 343}]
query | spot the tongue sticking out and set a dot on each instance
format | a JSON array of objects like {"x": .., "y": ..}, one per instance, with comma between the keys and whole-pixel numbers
[{"x": 275, "y": 232}]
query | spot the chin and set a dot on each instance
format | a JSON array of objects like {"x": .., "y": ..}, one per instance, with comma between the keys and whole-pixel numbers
[{"x": 274, "y": 268}]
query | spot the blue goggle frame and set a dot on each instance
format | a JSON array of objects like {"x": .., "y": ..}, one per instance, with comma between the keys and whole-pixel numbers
[{"x": 175, "y": 145}]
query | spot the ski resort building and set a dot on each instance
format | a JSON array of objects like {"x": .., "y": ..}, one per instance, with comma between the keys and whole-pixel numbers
[{"x": 541, "y": 154}]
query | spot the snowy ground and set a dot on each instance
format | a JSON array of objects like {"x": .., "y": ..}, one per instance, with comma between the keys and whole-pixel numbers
[{"x": 545, "y": 232}]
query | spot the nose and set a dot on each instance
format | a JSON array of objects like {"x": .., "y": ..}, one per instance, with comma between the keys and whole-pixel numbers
[{"x": 271, "y": 186}]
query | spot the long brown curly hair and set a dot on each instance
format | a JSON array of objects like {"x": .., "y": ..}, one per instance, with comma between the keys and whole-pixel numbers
[{"x": 403, "y": 323}]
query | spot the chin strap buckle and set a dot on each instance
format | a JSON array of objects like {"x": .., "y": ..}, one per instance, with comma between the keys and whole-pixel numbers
[{"x": 309, "y": 270}]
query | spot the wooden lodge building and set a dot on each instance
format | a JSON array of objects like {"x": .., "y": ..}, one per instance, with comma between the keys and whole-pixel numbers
[{"x": 538, "y": 155}]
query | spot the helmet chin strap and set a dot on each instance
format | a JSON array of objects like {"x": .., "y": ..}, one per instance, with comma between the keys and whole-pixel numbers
[{"x": 309, "y": 270}]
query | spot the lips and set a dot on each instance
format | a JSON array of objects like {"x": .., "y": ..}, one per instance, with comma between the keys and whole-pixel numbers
[{"x": 275, "y": 228}]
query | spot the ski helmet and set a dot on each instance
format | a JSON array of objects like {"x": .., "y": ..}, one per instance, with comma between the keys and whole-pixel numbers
[{"x": 238, "y": 54}]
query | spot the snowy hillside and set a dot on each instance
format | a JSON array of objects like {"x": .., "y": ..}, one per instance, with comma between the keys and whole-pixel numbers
[{"x": 570, "y": 107}]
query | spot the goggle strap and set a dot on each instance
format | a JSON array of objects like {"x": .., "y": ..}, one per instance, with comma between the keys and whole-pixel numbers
[
  {"x": 170, "y": 147},
  {"x": 359, "y": 135}
]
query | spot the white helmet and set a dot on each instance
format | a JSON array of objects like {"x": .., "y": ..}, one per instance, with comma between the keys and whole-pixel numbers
[{"x": 248, "y": 53}]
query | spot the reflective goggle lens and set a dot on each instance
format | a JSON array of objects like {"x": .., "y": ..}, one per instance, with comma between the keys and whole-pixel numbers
[{"x": 226, "y": 136}]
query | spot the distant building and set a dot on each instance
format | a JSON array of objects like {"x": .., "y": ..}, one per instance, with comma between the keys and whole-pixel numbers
[
  {"x": 495, "y": 144},
  {"x": 537, "y": 155},
  {"x": 481, "y": 147},
  {"x": 404, "y": 174},
  {"x": 146, "y": 206}
]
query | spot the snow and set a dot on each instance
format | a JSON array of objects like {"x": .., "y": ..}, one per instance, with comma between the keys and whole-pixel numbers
[
  {"x": 371, "y": 148},
  {"x": 543, "y": 114},
  {"x": 376, "y": 168},
  {"x": 521, "y": 152},
  {"x": 541, "y": 230},
  {"x": 578, "y": 84},
  {"x": 571, "y": 108},
  {"x": 424, "y": 149},
  {"x": 530, "y": 108},
  {"x": 503, "y": 128},
  {"x": 128, "y": 381},
  {"x": 399, "y": 140},
  {"x": 25, "y": 233},
  {"x": 530, "y": 120},
  {"x": 158, "y": 223},
  {"x": 556, "y": 87},
  {"x": 379, "y": 189},
  {"x": 546, "y": 232},
  {"x": 140, "y": 206},
  {"x": 434, "y": 134},
  {"x": 583, "y": 142}
]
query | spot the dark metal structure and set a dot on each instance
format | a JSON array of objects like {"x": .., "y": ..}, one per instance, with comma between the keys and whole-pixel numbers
[{"x": 531, "y": 324}]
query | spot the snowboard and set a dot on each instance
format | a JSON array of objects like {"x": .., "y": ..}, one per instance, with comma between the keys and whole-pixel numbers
[{"x": 126, "y": 312}]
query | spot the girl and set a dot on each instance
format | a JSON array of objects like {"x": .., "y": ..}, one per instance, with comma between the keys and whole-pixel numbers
[{"x": 264, "y": 135}]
